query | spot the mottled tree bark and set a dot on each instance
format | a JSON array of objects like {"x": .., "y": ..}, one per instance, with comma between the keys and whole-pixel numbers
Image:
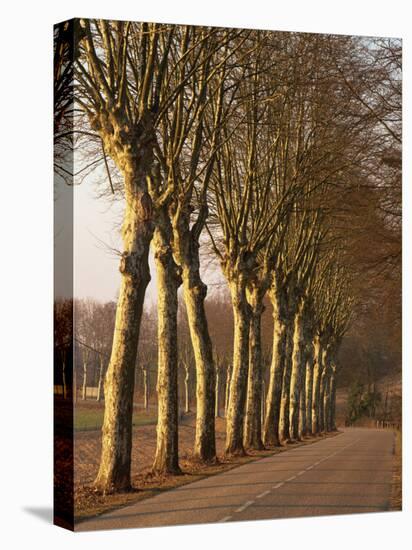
[
  {"x": 309, "y": 390},
  {"x": 168, "y": 281},
  {"x": 263, "y": 403},
  {"x": 195, "y": 293},
  {"x": 302, "y": 429},
  {"x": 296, "y": 374},
  {"x": 253, "y": 425},
  {"x": 322, "y": 391},
  {"x": 217, "y": 388},
  {"x": 227, "y": 388},
  {"x": 238, "y": 382},
  {"x": 271, "y": 424},
  {"x": 115, "y": 462},
  {"x": 284, "y": 433},
  {"x": 186, "y": 251},
  {"x": 333, "y": 398},
  {"x": 186, "y": 382},
  {"x": 317, "y": 368}
]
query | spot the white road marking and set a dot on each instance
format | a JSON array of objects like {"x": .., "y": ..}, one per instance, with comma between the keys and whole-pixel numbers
[
  {"x": 278, "y": 485},
  {"x": 263, "y": 494},
  {"x": 245, "y": 505}
]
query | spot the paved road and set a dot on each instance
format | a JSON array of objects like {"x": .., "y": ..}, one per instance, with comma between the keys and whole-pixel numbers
[{"x": 350, "y": 473}]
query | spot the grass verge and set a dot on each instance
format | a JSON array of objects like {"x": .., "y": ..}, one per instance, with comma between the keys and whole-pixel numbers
[{"x": 92, "y": 419}]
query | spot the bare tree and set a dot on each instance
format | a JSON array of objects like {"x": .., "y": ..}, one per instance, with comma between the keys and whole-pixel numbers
[{"x": 241, "y": 191}]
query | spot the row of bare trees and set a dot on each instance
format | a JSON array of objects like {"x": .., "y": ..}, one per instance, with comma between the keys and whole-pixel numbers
[{"x": 247, "y": 144}]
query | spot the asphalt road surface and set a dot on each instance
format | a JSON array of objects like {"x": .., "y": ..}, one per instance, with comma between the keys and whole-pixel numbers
[{"x": 347, "y": 474}]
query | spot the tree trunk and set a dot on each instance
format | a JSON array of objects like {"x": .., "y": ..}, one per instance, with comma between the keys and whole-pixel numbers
[
  {"x": 115, "y": 461},
  {"x": 227, "y": 388},
  {"x": 84, "y": 388},
  {"x": 322, "y": 399},
  {"x": 263, "y": 402},
  {"x": 74, "y": 385},
  {"x": 168, "y": 280},
  {"x": 322, "y": 391},
  {"x": 64, "y": 380},
  {"x": 253, "y": 425},
  {"x": 326, "y": 404},
  {"x": 271, "y": 424},
  {"x": 195, "y": 293},
  {"x": 186, "y": 250},
  {"x": 145, "y": 389},
  {"x": 309, "y": 390},
  {"x": 296, "y": 375},
  {"x": 333, "y": 398},
  {"x": 284, "y": 433},
  {"x": 236, "y": 408},
  {"x": 317, "y": 367},
  {"x": 217, "y": 393},
  {"x": 186, "y": 381},
  {"x": 101, "y": 378},
  {"x": 302, "y": 430}
]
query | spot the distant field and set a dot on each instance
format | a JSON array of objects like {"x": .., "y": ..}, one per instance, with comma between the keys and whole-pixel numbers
[{"x": 90, "y": 417}]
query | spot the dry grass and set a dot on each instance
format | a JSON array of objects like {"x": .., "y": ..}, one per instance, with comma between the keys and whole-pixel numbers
[{"x": 396, "y": 494}]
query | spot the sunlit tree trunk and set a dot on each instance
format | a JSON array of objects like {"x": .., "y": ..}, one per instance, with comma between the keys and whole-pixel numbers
[
  {"x": 217, "y": 386},
  {"x": 168, "y": 281},
  {"x": 322, "y": 391},
  {"x": 253, "y": 426},
  {"x": 227, "y": 388},
  {"x": 309, "y": 389},
  {"x": 145, "y": 388},
  {"x": 333, "y": 398},
  {"x": 101, "y": 378},
  {"x": 321, "y": 402},
  {"x": 195, "y": 293},
  {"x": 317, "y": 368},
  {"x": 186, "y": 382},
  {"x": 284, "y": 433},
  {"x": 271, "y": 424},
  {"x": 263, "y": 403},
  {"x": 237, "y": 396},
  {"x": 302, "y": 399},
  {"x": 115, "y": 462},
  {"x": 296, "y": 374},
  {"x": 186, "y": 250},
  {"x": 85, "y": 364}
]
